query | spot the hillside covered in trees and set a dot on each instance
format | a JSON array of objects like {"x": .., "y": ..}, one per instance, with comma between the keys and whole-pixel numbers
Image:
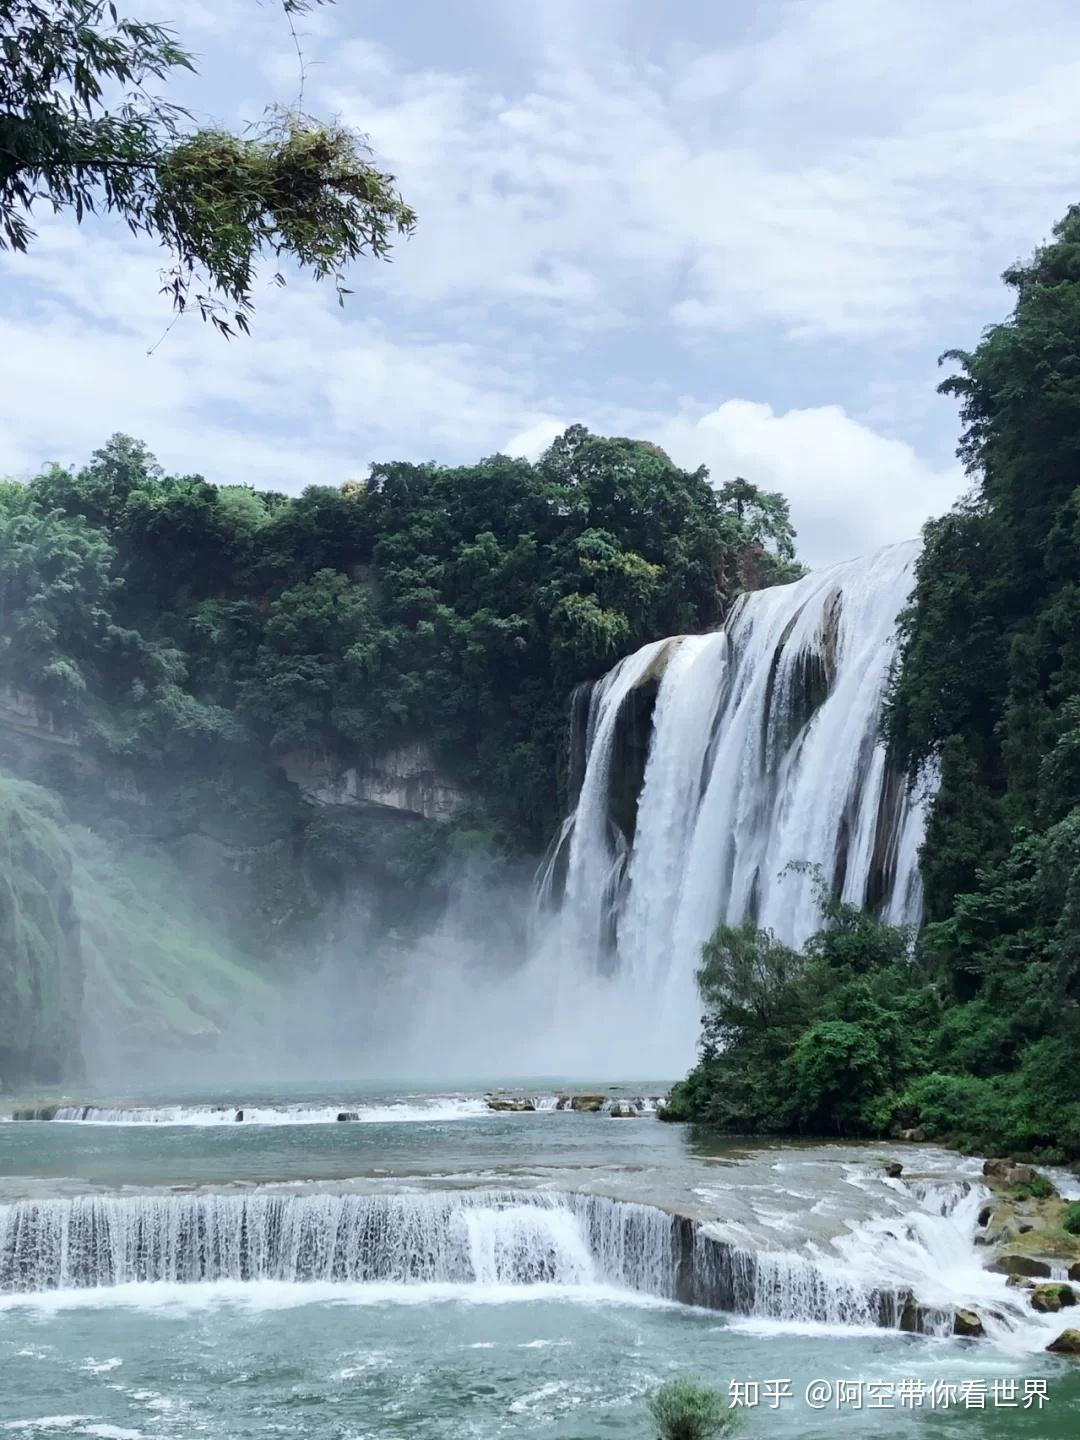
[
  {"x": 178, "y": 659},
  {"x": 974, "y": 1034}
]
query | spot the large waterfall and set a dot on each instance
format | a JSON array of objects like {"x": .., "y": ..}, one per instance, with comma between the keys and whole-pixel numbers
[{"x": 763, "y": 773}]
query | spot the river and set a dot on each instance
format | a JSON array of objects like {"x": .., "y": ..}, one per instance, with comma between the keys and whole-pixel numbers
[{"x": 435, "y": 1269}]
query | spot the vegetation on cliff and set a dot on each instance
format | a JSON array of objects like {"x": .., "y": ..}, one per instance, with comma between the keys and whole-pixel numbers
[
  {"x": 181, "y": 644},
  {"x": 975, "y": 1034}
]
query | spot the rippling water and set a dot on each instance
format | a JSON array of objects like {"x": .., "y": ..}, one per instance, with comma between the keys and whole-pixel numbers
[{"x": 518, "y": 1308}]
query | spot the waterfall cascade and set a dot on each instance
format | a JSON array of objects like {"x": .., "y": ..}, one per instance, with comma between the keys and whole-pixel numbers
[
  {"x": 764, "y": 768},
  {"x": 907, "y": 1271}
]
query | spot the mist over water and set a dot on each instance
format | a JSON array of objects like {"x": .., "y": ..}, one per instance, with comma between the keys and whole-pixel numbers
[{"x": 763, "y": 775}]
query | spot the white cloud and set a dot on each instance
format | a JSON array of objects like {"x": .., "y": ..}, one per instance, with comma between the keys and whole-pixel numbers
[
  {"x": 851, "y": 489},
  {"x": 606, "y": 199}
]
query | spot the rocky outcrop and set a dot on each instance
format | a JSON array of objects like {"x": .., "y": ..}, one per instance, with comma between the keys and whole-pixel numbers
[
  {"x": 1067, "y": 1343},
  {"x": 1049, "y": 1299},
  {"x": 20, "y": 715},
  {"x": 1020, "y": 1265},
  {"x": 589, "y": 1103},
  {"x": 1007, "y": 1172},
  {"x": 406, "y": 779},
  {"x": 968, "y": 1324}
]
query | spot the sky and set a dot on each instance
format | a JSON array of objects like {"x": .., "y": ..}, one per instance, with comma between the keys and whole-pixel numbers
[{"x": 743, "y": 231}]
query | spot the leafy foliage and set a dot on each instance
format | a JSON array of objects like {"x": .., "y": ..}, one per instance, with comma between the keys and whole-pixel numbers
[
  {"x": 193, "y": 645},
  {"x": 690, "y": 1410},
  {"x": 817, "y": 1042},
  {"x": 80, "y": 129}
]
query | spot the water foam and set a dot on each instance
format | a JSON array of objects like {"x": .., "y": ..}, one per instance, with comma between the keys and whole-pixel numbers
[{"x": 429, "y": 1110}]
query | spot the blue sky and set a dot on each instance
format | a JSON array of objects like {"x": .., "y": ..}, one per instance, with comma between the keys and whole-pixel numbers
[{"x": 744, "y": 231}]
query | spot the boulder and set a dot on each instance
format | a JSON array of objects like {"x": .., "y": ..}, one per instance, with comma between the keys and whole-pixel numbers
[
  {"x": 1020, "y": 1265},
  {"x": 348, "y": 1115},
  {"x": 588, "y": 1103},
  {"x": 239, "y": 1115},
  {"x": 893, "y": 1169},
  {"x": 916, "y": 1319},
  {"x": 1067, "y": 1343},
  {"x": 1020, "y": 1175},
  {"x": 917, "y": 1135},
  {"x": 996, "y": 1169},
  {"x": 1020, "y": 1282},
  {"x": 986, "y": 1214},
  {"x": 516, "y": 1106},
  {"x": 1049, "y": 1299},
  {"x": 966, "y": 1322},
  {"x": 1074, "y": 1271}
]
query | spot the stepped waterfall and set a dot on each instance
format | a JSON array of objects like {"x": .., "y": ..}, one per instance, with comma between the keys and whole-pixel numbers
[
  {"x": 578, "y": 1243},
  {"x": 722, "y": 774}
]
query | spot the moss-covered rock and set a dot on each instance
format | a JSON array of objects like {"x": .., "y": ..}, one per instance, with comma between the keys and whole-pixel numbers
[
  {"x": 967, "y": 1323},
  {"x": 1067, "y": 1343},
  {"x": 1012, "y": 1264},
  {"x": 588, "y": 1103},
  {"x": 1049, "y": 1299}
]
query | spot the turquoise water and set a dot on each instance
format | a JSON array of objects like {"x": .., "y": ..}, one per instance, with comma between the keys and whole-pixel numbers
[{"x": 573, "y": 1355}]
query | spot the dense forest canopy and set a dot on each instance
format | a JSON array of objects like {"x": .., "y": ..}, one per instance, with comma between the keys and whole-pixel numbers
[
  {"x": 975, "y": 1034},
  {"x": 188, "y": 645},
  {"x": 169, "y": 619}
]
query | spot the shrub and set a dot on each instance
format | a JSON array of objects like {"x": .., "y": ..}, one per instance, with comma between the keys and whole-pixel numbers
[
  {"x": 689, "y": 1410},
  {"x": 1071, "y": 1221},
  {"x": 1039, "y": 1189}
]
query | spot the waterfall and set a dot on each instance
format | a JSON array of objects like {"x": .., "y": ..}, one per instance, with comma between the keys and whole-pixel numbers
[
  {"x": 461, "y": 1237},
  {"x": 764, "y": 768},
  {"x": 904, "y": 1271},
  {"x": 419, "y": 1110}
]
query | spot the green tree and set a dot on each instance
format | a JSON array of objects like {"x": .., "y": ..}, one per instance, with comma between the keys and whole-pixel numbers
[{"x": 81, "y": 130}]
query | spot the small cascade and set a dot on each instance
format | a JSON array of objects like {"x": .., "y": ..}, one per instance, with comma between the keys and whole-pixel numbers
[
  {"x": 460, "y": 1237},
  {"x": 429, "y": 1109},
  {"x": 764, "y": 771},
  {"x": 908, "y": 1270}
]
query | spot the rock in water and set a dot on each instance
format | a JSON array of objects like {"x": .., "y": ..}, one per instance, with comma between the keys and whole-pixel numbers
[
  {"x": 894, "y": 1169},
  {"x": 588, "y": 1103},
  {"x": 1020, "y": 1175},
  {"x": 239, "y": 1115},
  {"x": 967, "y": 1323},
  {"x": 1067, "y": 1343},
  {"x": 1049, "y": 1299},
  {"x": 1020, "y": 1265},
  {"x": 997, "y": 1169}
]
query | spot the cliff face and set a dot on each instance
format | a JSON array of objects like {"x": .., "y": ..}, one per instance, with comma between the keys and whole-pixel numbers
[
  {"x": 405, "y": 778},
  {"x": 41, "y": 962}
]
